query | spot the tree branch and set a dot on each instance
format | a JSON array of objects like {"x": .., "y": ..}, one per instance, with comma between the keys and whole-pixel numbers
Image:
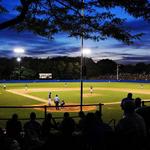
[{"x": 19, "y": 18}]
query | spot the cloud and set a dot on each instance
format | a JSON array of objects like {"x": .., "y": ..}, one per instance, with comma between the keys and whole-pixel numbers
[
  {"x": 37, "y": 46},
  {"x": 32, "y": 43}
]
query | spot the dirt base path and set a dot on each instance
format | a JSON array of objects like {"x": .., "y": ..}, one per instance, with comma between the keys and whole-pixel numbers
[{"x": 139, "y": 91}]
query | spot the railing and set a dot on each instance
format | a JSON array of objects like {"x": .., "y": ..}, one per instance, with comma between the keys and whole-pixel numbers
[
  {"x": 45, "y": 109},
  {"x": 143, "y": 102}
]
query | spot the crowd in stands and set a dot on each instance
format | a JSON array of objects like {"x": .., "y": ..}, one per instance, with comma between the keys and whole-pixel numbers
[
  {"x": 132, "y": 132},
  {"x": 126, "y": 76}
]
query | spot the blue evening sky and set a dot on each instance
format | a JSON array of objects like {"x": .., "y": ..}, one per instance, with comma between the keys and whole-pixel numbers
[{"x": 37, "y": 46}]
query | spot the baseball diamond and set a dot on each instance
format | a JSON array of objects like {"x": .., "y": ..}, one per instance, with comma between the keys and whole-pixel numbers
[{"x": 107, "y": 93}]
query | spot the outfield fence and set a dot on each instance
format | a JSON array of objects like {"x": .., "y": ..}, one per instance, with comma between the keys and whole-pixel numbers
[{"x": 38, "y": 81}]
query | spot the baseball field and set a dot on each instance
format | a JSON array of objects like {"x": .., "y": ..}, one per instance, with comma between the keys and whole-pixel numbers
[{"x": 36, "y": 94}]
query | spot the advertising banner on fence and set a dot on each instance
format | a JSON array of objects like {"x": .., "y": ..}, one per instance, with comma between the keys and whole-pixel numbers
[{"x": 45, "y": 75}]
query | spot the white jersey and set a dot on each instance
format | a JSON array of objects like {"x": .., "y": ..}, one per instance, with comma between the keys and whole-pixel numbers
[{"x": 56, "y": 99}]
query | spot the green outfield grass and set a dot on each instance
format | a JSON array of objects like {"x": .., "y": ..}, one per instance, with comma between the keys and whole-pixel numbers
[{"x": 102, "y": 93}]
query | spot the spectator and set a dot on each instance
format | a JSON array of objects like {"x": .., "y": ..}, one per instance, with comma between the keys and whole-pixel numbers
[
  {"x": 124, "y": 100},
  {"x": 81, "y": 123},
  {"x": 138, "y": 103},
  {"x": 144, "y": 111},
  {"x": 67, "y": 125},
  {"x": 14, "y": 127},
  {"x": 32, "y": 130},
  {"x": 48, "y": 124},
  {"x": 96, "y": 133},
  {"x": 131, "y": 128}
]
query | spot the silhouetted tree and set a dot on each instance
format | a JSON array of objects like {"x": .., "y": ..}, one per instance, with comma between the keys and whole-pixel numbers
[
  {"x": 107, "y": 66},
  {"x": 140, "y": 67},
  {"x": 48, "y": 17}
]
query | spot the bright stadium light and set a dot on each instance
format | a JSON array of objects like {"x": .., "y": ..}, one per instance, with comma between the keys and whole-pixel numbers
[
  {"x": 86, "y": 51},
  {"x": 19, "y": 50},
  {"x": 18, "y": 59}
]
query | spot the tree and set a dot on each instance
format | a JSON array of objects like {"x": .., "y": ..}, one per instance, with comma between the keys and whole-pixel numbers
[
  {"x": 106, "y": 66},
  {"x": 140, "y": 67},
  {"x": 48, "y": 17}
]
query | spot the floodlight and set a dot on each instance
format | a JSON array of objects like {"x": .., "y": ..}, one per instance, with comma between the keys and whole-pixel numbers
[
  {"x": 86, "y": 51},
  {"x": 19, "y": 50},
  {"x": 18, "y": 59}
]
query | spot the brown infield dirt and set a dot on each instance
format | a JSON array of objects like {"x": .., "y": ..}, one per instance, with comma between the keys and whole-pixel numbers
[
  {"x": 25, "y": 93},
  {"x": 66, "y": 109}
]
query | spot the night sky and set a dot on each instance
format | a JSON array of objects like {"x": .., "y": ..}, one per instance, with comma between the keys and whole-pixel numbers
[{"x": 37, "y": 46}]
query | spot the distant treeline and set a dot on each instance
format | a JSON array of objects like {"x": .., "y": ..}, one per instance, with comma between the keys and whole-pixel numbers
[{"x": 69, "y": 68}]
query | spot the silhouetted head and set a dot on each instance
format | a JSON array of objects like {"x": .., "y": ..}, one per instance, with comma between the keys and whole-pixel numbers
[
  {"x": 14, "y": 116},
  {"x": 33, "y": 116},
  {"x": 129, "y": 95},
  {"x": 66, "y": 115},
  {"x": 49, "y": 116},
  {"x": 81, "y": 114},
  {"x": 90, "y": 118},
  {"x": 138, "y": 102},
  {"x": 98, "y": 114}
]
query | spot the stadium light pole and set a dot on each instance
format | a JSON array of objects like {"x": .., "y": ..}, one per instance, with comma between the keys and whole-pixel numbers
[
  {"x": 117, "y": 71},
  {"x": 19, "y": 51},
  {"x": 81, "y": 61},
  {"x": 19, "y": 61}
]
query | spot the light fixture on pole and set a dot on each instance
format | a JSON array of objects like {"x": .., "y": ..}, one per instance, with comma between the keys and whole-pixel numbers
[
  {"x": 19, "y": 51},
  {"x": 19, "y": 61},
  {"x": 86, "y": 51}
]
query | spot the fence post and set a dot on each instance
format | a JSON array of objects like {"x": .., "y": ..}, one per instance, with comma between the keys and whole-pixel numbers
[
  {"x": 45, "y": 111},
  {"x": 100, "y": 108},
  {"x": 142, "y": 103}
]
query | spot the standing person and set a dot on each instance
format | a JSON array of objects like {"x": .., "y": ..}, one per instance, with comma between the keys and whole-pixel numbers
[
  {"x": 26, "y": 87},
  {"x": 91, "y": 89},
  {"x": 141, "y": 85},
  {"x": 49, "y": 98},
  {"x": 56, "y": 101},
  {"x": 124, "y": 100},
  {"x": 131, "y": 129},
  {"x": 4, "y": 86}
]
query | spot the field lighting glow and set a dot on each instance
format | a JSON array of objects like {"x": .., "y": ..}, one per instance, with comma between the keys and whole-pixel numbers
[
  {"x": 18, "y": 59},
  {"x": 86, "y": 51},
  {"x": 19, "y": 50}
]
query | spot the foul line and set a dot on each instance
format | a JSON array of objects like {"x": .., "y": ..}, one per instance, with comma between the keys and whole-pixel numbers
[{"x": 28, "y": 96}]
